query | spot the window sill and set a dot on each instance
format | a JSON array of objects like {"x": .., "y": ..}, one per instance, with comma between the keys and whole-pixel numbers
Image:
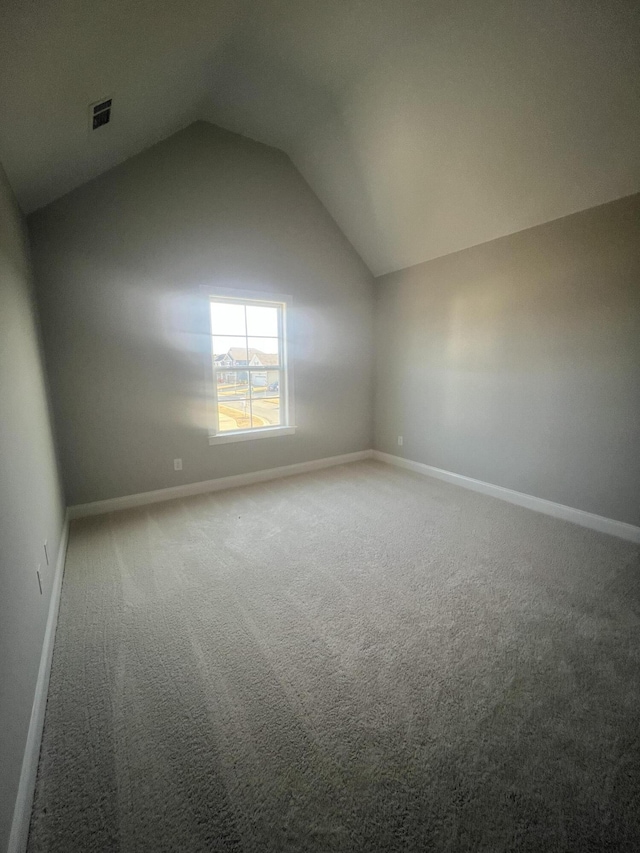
[{"x": 250, "y": 435}]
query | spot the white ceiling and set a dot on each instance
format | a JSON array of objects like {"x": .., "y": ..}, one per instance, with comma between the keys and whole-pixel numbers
[{"x": 425, "y": 126}]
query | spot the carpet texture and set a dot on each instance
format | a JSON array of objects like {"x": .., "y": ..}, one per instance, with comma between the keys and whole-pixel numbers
[{"x": 358, "y": 659}]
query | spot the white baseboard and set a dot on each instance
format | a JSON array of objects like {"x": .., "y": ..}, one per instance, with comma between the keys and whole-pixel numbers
[
  {"x": 128, "y": 501},
  {"x": 24, "y": 800},
  {"x": 567, "y": 513}
]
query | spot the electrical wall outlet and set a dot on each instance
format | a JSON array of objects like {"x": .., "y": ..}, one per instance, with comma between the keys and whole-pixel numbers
[
  {"x": 177, "y": 464},
  {"x": 400, "y": 441}
]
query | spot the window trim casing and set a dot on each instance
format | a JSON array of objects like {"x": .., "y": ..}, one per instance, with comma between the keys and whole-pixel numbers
[{"x": 266, "y": 298}]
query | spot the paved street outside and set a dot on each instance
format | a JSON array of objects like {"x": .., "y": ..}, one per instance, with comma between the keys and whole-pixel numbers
[{"x": 233, "y": 407}]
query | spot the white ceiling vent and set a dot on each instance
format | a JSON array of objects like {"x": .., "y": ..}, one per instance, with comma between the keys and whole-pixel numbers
[{"x": 99, "y": 113}]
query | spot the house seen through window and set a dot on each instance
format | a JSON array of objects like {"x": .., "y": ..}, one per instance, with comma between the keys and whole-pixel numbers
[{"x": 249, "y": 366}]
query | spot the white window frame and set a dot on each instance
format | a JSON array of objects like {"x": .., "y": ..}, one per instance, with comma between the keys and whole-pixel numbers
[{"x": 285, "y": 389}]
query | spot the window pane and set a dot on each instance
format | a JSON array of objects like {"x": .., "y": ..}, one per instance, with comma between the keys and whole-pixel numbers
[
  {"x": 262, "y": 320},
  {"x": 263, "y": 351},
  {"x": 234, "y": 414},
  {"x": 266, "y": 410},
  {"x": 233, "y": 347},
  {"x": 264, "y": 383},
  {"x": 227, "y": 318},
  {"x": 259, "y": 383},
  {"x": 232, "y": 385}
]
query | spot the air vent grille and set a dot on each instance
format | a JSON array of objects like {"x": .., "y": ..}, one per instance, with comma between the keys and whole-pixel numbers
[{"x": 100, "y": 113}]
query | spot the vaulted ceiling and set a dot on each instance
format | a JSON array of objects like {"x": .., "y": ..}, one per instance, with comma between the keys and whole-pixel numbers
[{"x": 425, "y": 126}]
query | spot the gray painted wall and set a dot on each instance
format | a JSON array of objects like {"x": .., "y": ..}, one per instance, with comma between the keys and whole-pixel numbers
[
  {"x": 119, "y": 263},
  {"x": 30, "y": 502},
  {"x": 517, "y": 362}
]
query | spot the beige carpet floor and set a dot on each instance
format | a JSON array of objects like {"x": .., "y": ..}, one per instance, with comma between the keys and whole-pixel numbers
[{"x": 358, "y": 659}]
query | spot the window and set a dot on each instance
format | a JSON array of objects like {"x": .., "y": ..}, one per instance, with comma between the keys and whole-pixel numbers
[{"x": 251, "y": 383}]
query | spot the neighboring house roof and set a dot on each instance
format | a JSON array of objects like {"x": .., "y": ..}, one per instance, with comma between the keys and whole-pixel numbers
[
  {"x": 238, "y": 355},
  {"x": 252, "y": 356},
  {"x": 264, "y": 358}
]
